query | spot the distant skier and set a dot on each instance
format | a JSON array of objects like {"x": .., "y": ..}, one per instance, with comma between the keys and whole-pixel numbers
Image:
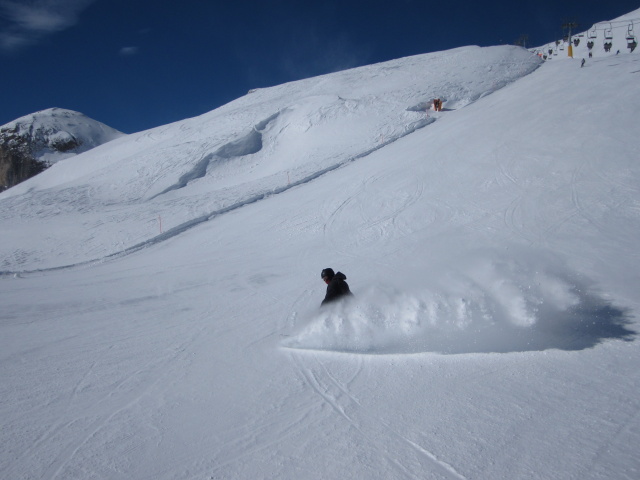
[
  {"x": 582, "y": 63},
  {"x": 337, "y": 288}
]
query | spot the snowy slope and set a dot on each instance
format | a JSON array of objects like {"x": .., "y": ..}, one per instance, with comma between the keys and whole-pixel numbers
[
  {"x": 493, "y": 254},
  {"x": 269, "y": 140}
]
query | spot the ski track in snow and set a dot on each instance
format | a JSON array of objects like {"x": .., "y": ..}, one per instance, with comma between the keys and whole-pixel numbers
[
  {"x": 75, "y": 430},
  {"x": 406, "y": 456}
]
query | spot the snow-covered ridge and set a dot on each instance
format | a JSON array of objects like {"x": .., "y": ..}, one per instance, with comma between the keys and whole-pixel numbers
[
  {"x": 31, "y": 144},
  {"x": 55, "y": 133}
]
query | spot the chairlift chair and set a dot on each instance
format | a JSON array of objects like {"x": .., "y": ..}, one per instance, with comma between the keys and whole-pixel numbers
[
  {"x": 593, "y": 33},
  {"x": 632, "y": 42},
  {"x": 608, "y": 37},
  {"x": 608, "y": 33}
]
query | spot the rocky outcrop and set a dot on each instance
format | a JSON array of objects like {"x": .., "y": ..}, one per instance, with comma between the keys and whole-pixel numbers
[
  {"x": 17, "y": 165},
  {"x": 34, "y": 142}
]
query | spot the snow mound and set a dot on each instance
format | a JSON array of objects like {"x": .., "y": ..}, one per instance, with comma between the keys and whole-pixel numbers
[{"x": 491, "y": 304}]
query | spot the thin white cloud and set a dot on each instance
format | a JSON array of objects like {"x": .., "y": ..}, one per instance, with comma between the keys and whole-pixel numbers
[
  {"x": 128, "y": 51},
  {"x": 313, "y": 53},
  {"x": 25, "y": 22}
]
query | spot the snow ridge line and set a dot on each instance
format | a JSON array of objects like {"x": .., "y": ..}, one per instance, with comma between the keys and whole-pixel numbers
[
  {"x": 245, "y": 145},
  {"x": 188, "y": 225}
]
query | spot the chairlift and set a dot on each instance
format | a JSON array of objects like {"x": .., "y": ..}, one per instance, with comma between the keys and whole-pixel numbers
[
  {"x": 593, "y": 33},
  {"x": 608, "y": 33},
  {"x": 632, "y": 42},
  {"x": 608, "y": 37}
]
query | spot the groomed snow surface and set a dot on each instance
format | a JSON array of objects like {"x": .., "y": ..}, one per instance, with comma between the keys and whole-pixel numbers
[{"x": 160, "y": 293}]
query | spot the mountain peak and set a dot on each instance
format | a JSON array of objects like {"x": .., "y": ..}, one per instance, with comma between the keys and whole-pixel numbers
[{"x": 34, "y": 142}]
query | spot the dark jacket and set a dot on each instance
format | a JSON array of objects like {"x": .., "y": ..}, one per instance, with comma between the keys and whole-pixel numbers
[{"x": 337, "y": 288}]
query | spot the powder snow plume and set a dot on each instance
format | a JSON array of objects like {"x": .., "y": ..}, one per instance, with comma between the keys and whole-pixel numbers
[{"x": 486, "y": 303}]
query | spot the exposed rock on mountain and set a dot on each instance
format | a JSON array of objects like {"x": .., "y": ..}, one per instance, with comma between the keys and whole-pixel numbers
[{"x": 34, "y": 142}]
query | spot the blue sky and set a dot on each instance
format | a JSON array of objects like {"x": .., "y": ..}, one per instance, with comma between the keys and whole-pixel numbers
[{"x": 137, "y": 64}]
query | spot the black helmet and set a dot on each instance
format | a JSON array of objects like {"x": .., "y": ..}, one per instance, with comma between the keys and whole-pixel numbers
[{"x": 327, "y": 273}]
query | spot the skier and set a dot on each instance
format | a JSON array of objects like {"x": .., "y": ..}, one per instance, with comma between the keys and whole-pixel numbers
[{"x": 336, "y": 286}]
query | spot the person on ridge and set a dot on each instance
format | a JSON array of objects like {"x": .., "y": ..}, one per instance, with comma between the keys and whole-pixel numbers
[{"x": 337, "y": 288}]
